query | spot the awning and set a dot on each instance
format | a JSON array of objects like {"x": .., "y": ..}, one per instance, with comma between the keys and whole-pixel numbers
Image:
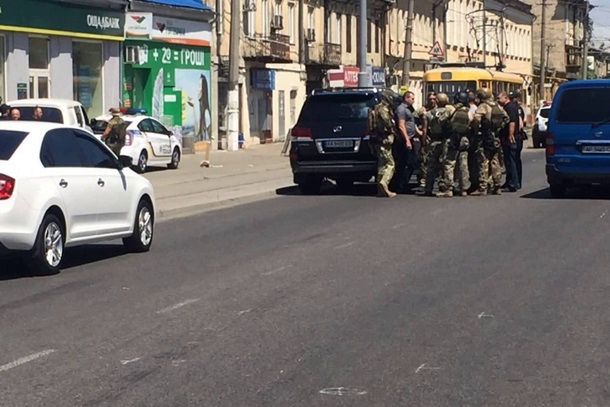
[{"x": 194, "y": 4}]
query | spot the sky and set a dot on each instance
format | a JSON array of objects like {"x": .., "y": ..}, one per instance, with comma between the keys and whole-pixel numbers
[{"x": 601, "y": 22}]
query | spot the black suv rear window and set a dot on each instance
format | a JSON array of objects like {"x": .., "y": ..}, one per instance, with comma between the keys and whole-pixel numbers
[
  {"x": 9, "y": 142},
  {"x": 333, "y": 107},
  {"x": 584, "y": 105}
]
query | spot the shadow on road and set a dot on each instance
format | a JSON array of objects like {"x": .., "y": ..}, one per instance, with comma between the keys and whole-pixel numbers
[
  {"x": 330, "y": 189},
  {"x": 591, "y": 192},
  {"x": 15, "y": 268}
]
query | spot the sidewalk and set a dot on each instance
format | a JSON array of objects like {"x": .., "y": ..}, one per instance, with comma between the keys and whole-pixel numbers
[{"x": 233, "y": 177}]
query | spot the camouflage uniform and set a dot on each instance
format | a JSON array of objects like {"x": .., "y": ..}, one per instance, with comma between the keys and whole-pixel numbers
[
  {"x": 437, "y": 145},
  {"x": 382, "y": 129},
  {"x": 113, "y": 140},
  {"x": 457, "y": 150},
  {"x": 488, "y": 151},
  {"x": 425, "y": 150}
]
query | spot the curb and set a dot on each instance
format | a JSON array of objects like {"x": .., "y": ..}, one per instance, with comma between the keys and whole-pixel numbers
[{"x": 221, "y": 198}]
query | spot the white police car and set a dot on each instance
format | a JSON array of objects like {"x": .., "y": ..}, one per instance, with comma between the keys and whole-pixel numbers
[{"x": 148, "y": 142}]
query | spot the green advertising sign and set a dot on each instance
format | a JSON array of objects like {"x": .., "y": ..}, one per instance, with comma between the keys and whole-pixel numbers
[
  {"x": 51, "y": 17},
  {"x": 161, "y": 54},
  {"x": 173, "y": 83}
]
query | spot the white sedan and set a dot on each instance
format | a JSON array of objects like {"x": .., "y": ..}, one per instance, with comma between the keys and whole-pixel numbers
[
  {"x": 60, "y": 186},
  {"x": 148, "y": 142}
]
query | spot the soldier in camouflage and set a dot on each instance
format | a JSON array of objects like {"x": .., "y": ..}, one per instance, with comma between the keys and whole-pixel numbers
[
  {"x": 426, "y": 149},
  {"x": 382, "y": 130},
  {"x": 114, "y": 135},
  {"x": 438, "y": 134},
  {"x": 460, "y": 120},
  {"x": 489, "y": 119}
]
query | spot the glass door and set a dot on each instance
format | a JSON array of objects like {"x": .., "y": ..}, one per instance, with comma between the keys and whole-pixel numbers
[{"x": 39, "y": 84}]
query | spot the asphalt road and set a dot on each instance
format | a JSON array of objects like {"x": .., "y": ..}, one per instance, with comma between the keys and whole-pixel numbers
[{"x": 328, "y": 301}]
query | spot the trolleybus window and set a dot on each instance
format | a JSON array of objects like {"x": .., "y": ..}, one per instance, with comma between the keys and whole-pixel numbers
[{"x": 450, "y": 87}]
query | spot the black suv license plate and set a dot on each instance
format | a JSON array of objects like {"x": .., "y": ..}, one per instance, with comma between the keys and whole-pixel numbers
[{"x": 339, "y": 144}]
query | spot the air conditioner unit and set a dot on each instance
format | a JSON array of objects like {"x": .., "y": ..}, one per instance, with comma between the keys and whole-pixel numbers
[
  {"x": 132, "y": 54},
  {"x": 311, "y": 34},
  {"x": 277, "y": 23}
]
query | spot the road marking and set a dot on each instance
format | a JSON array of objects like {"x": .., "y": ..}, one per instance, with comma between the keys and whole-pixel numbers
[
  {"x": 345, "y": 245},
  {"x": 26, "y": 359},
  {"x": 176, "y": 306},
  {"x": 399, "y": 225},
  {"x": 603, "y": 214},
  {"x": 269, "y": 273},
  {"x": 484, "y": 315},
  {"x": 126, "y": 362},
  {"x": 244, "y": 312},
  {"x": 424, "y": 367},
  {"x": 342, "y": 391}
]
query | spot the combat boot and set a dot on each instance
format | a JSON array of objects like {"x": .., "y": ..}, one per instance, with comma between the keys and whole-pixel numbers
[
  {"x": 463, "y": 193},
  {"x": 479, "y": 192},
  {"x": 384, "y": 191},
  {"x": 445, "y": 194},
  {"x": 497, "y": 191}
]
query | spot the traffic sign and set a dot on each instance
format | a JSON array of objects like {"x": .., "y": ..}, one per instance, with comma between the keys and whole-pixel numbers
[
  {"x": 436, "y": 50},
  {"x": 403, "y": 89}
]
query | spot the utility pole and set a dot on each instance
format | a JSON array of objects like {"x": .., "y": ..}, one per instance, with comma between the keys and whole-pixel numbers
[
  {"x": 406, "y": 65},
  {"x": 233, "y": 96},
  {"x": 363, "y": 74},
  {"x": 302, "y": 50},
  {"x": 542, "y": 90},
  {"x": 585, "y": 42},
  {"x": 484, "y": 36}
]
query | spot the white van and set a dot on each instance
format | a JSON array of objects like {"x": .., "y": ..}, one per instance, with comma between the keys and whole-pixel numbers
[{"x": 68, "y": 112}]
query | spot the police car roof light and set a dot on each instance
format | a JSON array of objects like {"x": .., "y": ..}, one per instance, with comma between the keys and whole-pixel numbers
[{"x": 132, "y": 110}]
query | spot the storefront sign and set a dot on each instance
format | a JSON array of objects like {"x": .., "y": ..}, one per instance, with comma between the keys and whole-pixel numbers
[
  {"x": 58, "y": 18},
  {"x": 158, "y": 55},
  {"x": 22, "y": 91},
  {"x": 177, "y": 31},
  {"x": 350, "y": 75},
  {"x": 138, "y": 25},
  {"x": 263, "y": 79},
  {"x": 378, "y": 76},
  {"x": 346, "y": 76}
]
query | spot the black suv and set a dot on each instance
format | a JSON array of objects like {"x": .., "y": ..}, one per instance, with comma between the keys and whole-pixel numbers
[{"x": 329, "y": 140}]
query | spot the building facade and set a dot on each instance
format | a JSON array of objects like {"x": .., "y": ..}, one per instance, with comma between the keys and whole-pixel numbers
[
  {"x": 68, "y": 50},
  {"x": 167, "y": 68},
  {"x": 285, "y": 54}
]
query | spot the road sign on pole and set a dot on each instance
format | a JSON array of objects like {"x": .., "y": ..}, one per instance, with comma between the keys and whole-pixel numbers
[{"x": 436, "y": 50}]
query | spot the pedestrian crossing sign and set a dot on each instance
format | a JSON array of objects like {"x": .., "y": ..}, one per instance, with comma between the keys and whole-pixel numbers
[{"x": 436, "y": 50}]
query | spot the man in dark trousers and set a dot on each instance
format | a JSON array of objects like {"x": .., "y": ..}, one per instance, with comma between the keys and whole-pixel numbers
[
  {"x": 408, "y": 142},
  {"x": 515, "y": 97},
  {"x": 510, "y": 136}
]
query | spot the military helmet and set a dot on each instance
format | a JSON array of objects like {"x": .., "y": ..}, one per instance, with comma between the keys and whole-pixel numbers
[
  {"x": 442, "y": 98},
  {"x": 483, "y": 93},
  {"x": 461, "y": 97},
  {"x": 388, "y": 97}
]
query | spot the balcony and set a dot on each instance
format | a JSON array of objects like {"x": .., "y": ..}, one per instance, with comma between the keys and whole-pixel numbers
[
  {"x": 272, "y": 48},
  {"x": 315, "y": 54},
  {"x": 326, "y": 54}
]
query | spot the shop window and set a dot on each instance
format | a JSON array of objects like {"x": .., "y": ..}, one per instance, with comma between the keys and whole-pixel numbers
[
  {"x": 38, "y": 53},
  {"x": 88, "y": 83}
]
